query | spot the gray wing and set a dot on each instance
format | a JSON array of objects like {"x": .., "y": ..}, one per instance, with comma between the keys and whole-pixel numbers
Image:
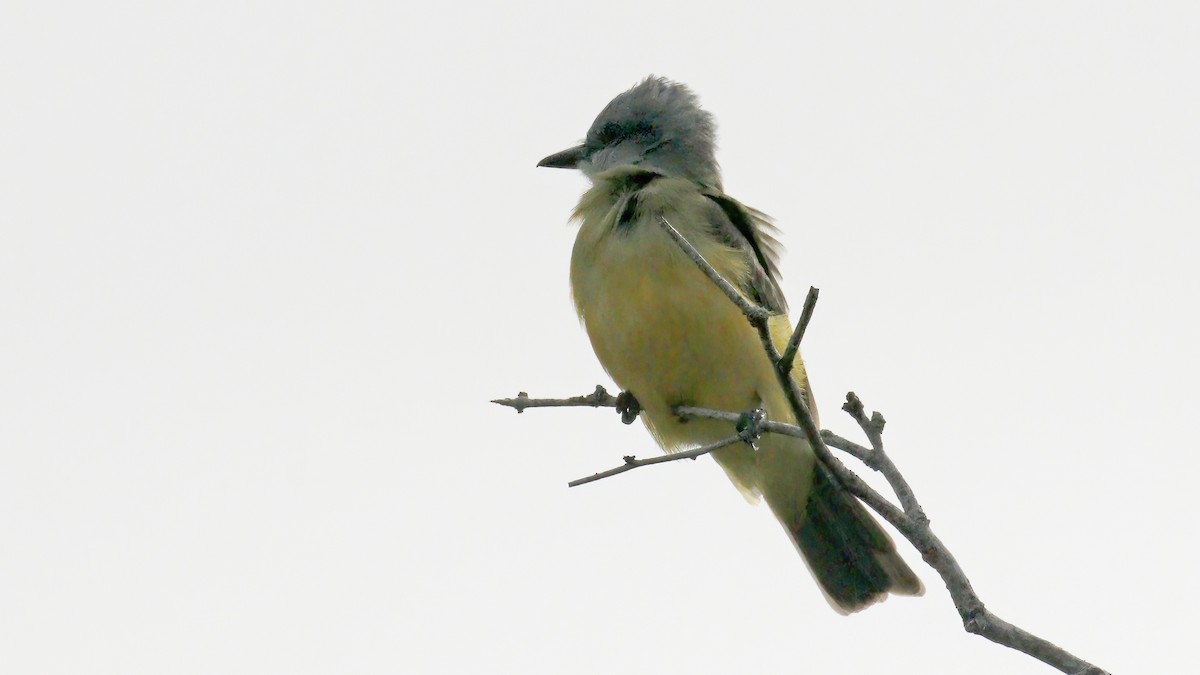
[{"x": 743, "y": 227}]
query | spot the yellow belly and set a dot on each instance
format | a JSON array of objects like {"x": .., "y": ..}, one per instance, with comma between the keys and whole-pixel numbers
[
  {"x": 664, "y": 331},
  {"x": 669, "y": 336}
]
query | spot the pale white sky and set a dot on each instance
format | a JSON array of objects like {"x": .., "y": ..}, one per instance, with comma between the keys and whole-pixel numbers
[{"x": 262, "y": 265}]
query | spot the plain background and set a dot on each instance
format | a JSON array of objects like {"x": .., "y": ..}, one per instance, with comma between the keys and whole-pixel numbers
[{"x": 262, "y": 266}]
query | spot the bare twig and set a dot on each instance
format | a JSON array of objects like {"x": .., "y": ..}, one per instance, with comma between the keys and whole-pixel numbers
[
  {"x": 831, "y": 439},
  {"x": 793, "y": 345},
  {"x": 851, "y": 480},
  {"x": 758, "y": 318},
  {"x": 858, "y": 486},
  {"x": 632, "y": 463},
  {"x": 910, "y": 520},
  {"x": 878, "y": 459},
  {"x": 845, "y": 445},
  {"x": 600, "y": 398},
  {"x": 757, "y": 315}
]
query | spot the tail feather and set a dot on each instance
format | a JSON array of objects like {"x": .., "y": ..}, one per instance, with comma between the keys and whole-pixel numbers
[{"x": 852, "y": 558}]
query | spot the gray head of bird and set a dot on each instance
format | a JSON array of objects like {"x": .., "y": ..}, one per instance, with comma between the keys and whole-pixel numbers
[{"x": 657, "y": 125}]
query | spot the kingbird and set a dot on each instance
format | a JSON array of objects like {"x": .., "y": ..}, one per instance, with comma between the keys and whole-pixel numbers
[{"x": 670, "y": 337}]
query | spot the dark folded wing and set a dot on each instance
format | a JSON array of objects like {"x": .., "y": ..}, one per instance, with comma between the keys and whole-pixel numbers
[{"x": 744, "y": 227}]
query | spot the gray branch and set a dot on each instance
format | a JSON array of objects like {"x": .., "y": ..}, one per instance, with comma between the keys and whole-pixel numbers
[
  {"x": 793, "y": 345},
  {"x": 912, "y": 522},
  {"x": 600, "y": 398},
  {"x": 909, "y": 518},
  {"x": 632, "y": 462}
]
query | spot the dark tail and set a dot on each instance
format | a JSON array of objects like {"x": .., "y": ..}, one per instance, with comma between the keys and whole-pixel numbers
[{"x": 852, "y": 558}]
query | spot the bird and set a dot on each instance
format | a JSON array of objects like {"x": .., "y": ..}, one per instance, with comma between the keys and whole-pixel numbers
[{"x": 669, "y": 337}]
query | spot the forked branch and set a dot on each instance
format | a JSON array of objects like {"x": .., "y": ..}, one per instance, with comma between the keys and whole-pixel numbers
[{"x": 909, "y": 518}]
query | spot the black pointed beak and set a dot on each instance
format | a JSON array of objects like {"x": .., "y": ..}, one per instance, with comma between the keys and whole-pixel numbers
[{"x": 567, "y": 159}]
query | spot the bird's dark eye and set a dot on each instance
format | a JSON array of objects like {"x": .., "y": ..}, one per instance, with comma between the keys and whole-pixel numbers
[
  {"x": 615, "y": 132},
  {"x": 609, "y": 133}
]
